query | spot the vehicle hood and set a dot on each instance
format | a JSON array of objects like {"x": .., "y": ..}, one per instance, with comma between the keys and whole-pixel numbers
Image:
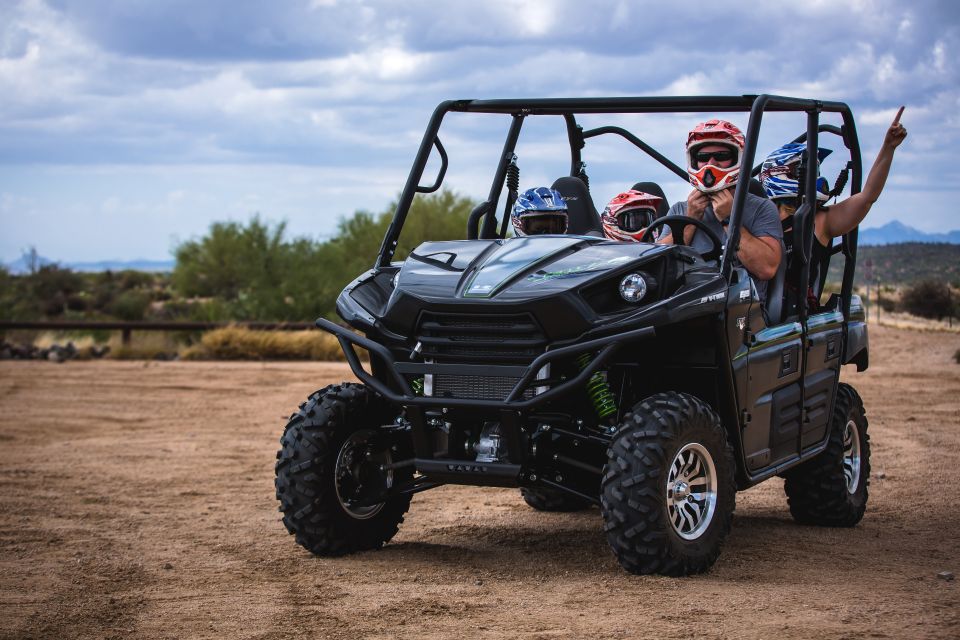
[{"x": 512, "y": 269}]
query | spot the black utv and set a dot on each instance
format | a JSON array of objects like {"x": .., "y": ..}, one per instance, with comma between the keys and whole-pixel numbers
[{"x": 645, "y": 378}]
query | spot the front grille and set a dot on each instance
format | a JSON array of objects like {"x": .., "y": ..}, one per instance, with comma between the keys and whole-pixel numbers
[
  {"x": 475, "y": 387},
  {"x": 491, "y": 339}
]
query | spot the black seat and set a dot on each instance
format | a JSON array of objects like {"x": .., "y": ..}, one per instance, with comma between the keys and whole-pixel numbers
[
  {"x": 774, "y": 305},
  {"x": 757, "y": 189},
  {"x": 583, "y": 219},
  {"x": 654, "y": 189}
]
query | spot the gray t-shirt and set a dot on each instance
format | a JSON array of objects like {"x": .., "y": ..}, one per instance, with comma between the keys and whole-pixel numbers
[{"x": 760, "y": 218}]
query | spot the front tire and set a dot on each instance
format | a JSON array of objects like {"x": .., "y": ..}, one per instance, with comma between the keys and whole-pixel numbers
[
  {"x": 831, "y": 489},
  {"x": 668, "y": 490},
  {"x": 329, "y": 463}
]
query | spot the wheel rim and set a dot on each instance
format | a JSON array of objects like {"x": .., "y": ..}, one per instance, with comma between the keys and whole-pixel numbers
[
  {"x": 691, "y": 491},
  {"x": 358, "y": 475},
  {"x": 851, "y": 456}
]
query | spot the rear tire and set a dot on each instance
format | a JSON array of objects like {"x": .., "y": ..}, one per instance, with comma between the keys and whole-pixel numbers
[
  {"x": 330, "y": 456},
  {"x": 668, "y": 490},
  {"x": 831, "y": 490},
  {"x": 544, "y": 499}
]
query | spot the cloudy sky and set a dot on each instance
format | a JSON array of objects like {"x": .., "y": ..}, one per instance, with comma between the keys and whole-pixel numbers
[{"x": 127, "y": 125}]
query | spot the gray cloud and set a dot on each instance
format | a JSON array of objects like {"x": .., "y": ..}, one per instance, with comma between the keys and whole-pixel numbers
[{"x": 344, "y": 84}]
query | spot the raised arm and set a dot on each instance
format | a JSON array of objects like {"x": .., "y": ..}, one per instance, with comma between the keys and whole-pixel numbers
[{"x": 844, "y": 216}]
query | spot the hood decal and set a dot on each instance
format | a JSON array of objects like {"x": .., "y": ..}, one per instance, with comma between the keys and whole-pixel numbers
[
  {"x": 542, "y": 275},
  {"x": 513, "y": 257}
]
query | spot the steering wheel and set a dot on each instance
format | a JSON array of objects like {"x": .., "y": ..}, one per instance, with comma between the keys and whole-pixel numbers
[{"x": 677, "y": 224}]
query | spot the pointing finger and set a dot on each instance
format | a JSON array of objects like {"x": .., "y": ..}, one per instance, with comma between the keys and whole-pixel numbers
[{"x": 896, "y": 120}]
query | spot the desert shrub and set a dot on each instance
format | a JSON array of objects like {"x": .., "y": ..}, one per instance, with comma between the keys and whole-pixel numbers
[
  {"x": 259, "y": 275},
  {"x": 889, "y": 305},
  {"x": 130, "y": 306},
  {"x": 929, "y": 299},
  {"x": 237, "y": 343}
]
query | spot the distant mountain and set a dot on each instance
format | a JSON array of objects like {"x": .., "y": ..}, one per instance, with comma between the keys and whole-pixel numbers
[
  {"x": 896, "y": 232},
  {"x": 121, "y": 265},
  {"x": 903, "y": 263},
  {"x": 22, "y": 265}
]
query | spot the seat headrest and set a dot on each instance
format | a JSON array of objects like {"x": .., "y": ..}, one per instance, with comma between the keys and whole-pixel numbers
[
  {"x": 654, "y": 189},
  {"x": 581, "y": 212}
]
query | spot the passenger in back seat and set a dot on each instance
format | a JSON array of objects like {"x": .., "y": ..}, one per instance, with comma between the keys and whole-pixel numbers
[
  {"x": 539, "y": 211},
  {"x": 628, "y": 215},
  {"x": 780, "y": 175}
]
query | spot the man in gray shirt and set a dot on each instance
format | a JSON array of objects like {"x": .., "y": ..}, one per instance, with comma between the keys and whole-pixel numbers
[{"x": 714, "y": 150}]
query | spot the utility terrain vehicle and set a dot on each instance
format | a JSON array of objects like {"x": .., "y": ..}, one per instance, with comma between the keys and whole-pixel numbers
[{"x": 639, "y": 377}]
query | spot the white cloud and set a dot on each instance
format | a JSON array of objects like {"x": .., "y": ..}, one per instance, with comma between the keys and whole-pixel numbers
[{"x": 328, "y": 99}]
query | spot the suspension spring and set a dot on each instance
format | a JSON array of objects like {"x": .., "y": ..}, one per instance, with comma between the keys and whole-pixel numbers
[
  {"x": 598, "y": 390},
  {"x": 513, "y": 177}
]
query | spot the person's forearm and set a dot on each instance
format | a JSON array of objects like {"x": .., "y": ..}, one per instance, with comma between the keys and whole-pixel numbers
[
  {"x": 760, "y": 259},
  {"x": 846, "y": 215},
  {"x": 878, "y": 174}
]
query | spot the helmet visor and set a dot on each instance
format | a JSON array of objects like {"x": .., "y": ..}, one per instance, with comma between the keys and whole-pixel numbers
[
  {"x": 634, "y": 219},
  {"x": 535, "y": 225}
]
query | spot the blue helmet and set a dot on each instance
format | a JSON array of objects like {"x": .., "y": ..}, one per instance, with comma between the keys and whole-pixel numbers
[
  {"x": 538, "y": 211},
  {"x": 780, "y": 172}
]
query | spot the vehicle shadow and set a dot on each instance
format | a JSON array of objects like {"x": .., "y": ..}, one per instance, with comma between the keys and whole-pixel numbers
[{"x": 556, "y": 544}]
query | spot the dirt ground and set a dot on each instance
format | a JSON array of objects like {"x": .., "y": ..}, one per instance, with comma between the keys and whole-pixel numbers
[{"x": 136, "y": 500}]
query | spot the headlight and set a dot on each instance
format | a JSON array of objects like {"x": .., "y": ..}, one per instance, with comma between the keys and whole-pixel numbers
[
  {"x": 633, "y": 287},
  {"x": 396, "y": 279}
]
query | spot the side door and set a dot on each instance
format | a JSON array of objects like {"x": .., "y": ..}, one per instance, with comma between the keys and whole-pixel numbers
[
  {"x": 767, "y": 373},
  {"x": 824, "y": 339}
]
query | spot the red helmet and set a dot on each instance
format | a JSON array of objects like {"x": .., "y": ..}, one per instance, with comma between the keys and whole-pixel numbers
[
  {"x": 705, "y": 176},
  {"x": 629, "y": 214}
]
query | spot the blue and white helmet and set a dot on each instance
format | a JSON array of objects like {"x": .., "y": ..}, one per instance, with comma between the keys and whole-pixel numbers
[
  {"x": 539, "y": 211},
  {"x": 780, "y": 172}
]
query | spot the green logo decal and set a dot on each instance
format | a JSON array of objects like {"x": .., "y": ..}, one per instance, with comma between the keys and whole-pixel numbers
[{"x": 571, "y": 272}]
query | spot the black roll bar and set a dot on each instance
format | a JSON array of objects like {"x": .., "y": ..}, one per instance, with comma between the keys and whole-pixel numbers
[
  {"x": 656, "y": 155},
  {"x": 756, "y": 105},
  {"x": 489, "y": 229},
  {"x": 440, "y": 174},
  {"x": 823, "y": 128}
]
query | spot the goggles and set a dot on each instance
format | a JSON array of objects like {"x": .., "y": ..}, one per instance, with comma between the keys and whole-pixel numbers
[
  {"x": 702, "y": 157},
  {"x": 634, "y": 220},
  {"x": 535, "y": 225}
]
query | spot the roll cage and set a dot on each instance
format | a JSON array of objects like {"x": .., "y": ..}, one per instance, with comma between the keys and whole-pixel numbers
[{"x": 483, "y": 220}]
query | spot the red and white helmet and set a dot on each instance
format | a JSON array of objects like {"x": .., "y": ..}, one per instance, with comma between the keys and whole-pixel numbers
[
  {"x": 629, "y": 214},
  {"x": 708, "y": 177}
]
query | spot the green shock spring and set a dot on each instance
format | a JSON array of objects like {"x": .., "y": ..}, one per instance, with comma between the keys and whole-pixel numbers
[
  {"x": 417, "y": 386},
  {"x": 604, "y": 403}
]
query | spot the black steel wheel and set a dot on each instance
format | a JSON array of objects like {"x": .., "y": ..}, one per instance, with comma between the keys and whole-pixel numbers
[
  {"x": 331, "y": 469},
  {"x": 668, "y": 490},
  {"x": 831, "y": 490}
]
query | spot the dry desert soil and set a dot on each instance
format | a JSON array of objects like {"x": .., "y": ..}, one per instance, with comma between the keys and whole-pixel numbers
[{"x": 136, "y": 500}]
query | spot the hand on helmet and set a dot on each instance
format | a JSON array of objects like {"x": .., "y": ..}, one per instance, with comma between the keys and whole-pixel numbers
[
  {"x": 722, "y": 202},
  {"x": 697, "y": 203}
]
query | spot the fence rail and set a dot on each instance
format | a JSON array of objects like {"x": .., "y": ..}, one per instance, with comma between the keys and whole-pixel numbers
[{"x": 127, "y": 328}]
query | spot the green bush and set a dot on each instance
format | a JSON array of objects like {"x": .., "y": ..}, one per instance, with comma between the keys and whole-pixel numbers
[
  {"x": 130, "y": 306},
  {"x": 256, "y": 274}
]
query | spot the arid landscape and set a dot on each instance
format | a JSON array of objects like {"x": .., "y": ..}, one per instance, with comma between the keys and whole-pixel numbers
[{"x": 136, "y": 500}]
